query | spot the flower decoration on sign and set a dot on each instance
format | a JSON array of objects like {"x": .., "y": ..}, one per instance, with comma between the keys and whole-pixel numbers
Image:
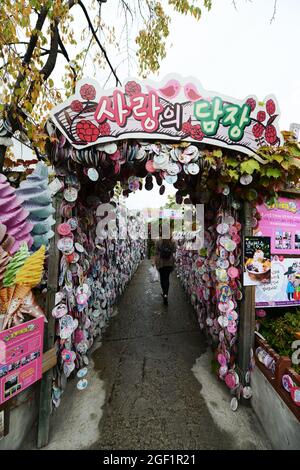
[
  {"x": 88, "y": 92},
  {"x": 264, "y": 128},
  {"x": 132, "y": 88},
  {"x": 77, "y": 106},
  {"x": 87, "y": 131}
]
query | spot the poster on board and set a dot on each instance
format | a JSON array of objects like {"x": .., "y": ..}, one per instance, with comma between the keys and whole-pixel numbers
[
  {"x": 284, "y": 289},
  {"x": 257, "y": 261},
  {"x": 281, "y": 221},
  {"x": 21, "y": 352}
]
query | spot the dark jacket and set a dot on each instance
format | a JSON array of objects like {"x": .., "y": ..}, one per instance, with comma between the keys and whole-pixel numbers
[{"x": 162, "y": 262}]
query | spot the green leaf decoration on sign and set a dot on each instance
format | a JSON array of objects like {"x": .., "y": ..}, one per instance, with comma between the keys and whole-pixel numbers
[{"x": 250, "y": 166}]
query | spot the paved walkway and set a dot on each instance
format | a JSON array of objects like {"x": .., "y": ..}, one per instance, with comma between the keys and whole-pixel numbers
[
  {"x": 150, "y": 385},
  {"x": 153, "y": 398}
]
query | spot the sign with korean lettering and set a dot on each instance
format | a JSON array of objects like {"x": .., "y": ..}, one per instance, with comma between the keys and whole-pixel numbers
[
  {"x": 21, "y": 352},
  {"x": 280, "y": 220},
  {"x": 257, "y": 261},
  {"x": 176, "y": 109}
]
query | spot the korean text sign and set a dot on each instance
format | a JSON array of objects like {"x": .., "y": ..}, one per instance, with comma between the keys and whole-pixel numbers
[
  {"x": 281, "y": 221},
  {"x": 175, "y": 109},
  {"x": 21, "y": 351}
]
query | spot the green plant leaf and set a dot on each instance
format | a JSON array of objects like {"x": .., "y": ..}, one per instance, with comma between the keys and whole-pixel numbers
[
  {"x": 232, "y": 162},
  {"x": 278, "y": 158},
  {"x": 295, "y": 150},
  {"x": 217, "y": 153},
  {"x": 233, "y": 174},
  {"x": 295, "y": 162},
  {"x": 273, "y": 173},
  {"x": 250, "y": 166}
]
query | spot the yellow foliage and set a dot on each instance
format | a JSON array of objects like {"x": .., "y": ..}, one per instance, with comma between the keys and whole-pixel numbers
[{"x": 27, "y": 93}]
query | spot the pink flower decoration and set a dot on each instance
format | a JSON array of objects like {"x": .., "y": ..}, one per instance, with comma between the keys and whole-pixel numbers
[
  {"x": 76, "y": 106},
  {"x": 88, "y": 92},
  {"x": 132, "y": 88},
  {"x": 104, "y": 129}
]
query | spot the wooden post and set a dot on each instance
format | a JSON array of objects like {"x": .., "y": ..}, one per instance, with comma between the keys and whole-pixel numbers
[
  {"x": 46, "y": 383},
  {"x": 247, "y": 311}
]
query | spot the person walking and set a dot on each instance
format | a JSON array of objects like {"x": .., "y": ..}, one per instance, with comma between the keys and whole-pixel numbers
[{"x": 164, "y": 262}]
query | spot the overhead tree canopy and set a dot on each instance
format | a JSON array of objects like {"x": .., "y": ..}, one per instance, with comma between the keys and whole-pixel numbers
[{"x": 35, "y": 34}]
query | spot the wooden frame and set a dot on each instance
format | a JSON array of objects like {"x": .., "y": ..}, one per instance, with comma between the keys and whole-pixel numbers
[{"x": 283, "y": 366}]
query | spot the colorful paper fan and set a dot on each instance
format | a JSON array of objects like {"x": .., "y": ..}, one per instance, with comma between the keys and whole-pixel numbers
[
  {"x": 14, "y": 265},
  {"x": 4, "y": 261},
  {"x": 31, "y": 272},
  {"x": 13, "y": 216},
  {"x": 36, "y": 199}
]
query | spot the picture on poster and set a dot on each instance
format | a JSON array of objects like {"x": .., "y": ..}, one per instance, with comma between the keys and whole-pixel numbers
[
  {"x": 280, "y": 221},
  {"x": 257, "y": 261},
  {"x": 284, "y": 289}
]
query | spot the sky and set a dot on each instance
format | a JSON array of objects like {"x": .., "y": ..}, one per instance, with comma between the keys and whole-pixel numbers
[{"x": 236, "y": 52}]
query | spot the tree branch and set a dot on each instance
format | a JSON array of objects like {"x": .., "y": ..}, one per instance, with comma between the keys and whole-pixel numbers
[
  {"x": 274, "y": 12},
  {"x": 32, "y": 44},
  {"x": 13, "y": 113},
  {"x": 49, "y": 65},
  {"x": 66, "y": 55},
  {"x": 97, "y": 41}
]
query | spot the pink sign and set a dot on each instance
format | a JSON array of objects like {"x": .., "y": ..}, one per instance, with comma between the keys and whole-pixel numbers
[
  {"x": 281, "y": 222},
  {"x": 21, "y": 351},
  {"x": 176, "y": 109}
]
